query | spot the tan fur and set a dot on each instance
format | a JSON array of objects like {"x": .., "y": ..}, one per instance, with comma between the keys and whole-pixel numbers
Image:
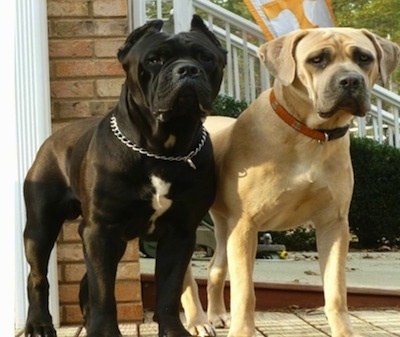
[{"x": 271, "y": 177}]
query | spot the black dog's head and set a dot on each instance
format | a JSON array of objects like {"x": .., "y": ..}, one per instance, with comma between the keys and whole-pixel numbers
[{"x": 173, "y": 74}]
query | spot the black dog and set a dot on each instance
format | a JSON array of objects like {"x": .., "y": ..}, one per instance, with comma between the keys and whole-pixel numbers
[{"x": 145, "y": 169}]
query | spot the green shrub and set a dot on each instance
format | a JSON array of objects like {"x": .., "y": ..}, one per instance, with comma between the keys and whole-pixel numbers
[
  {"x": 298, "y": 239},
  {"x": 228, "y": 106},
  {"x": 375, "y": 206}
]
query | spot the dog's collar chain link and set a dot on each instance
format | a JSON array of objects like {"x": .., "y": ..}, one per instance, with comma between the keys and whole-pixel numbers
[
  {"x": 321, "y": 135},
  {"x": 188, "y": 158}
]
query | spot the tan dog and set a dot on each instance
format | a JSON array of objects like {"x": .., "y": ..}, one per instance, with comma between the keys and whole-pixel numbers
[{"x": 286, "y": 161}]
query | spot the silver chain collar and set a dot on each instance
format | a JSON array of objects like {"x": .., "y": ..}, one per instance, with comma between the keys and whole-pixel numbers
[{"x": 188, "y": 158}]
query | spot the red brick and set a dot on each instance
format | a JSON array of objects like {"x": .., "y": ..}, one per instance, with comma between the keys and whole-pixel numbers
[
  {"x": 73, "y": 272},
  {"x": 100, "y": 108},
  {"x": 68, "y": 293},
  {"x": 128, "y": 271},
  {"x": 70, "y": 231},
  {"x": 127, "y": 312},
  {"x": 109, "y": 87},
  {"x": 127, "y": 291},
  {"x": 114, "y": 27},
  {"x": 73, "y": 109},
  {"x": 69, "y": 252},
  {"x": 132, "y": 251},
  {"x": 85, "y": 68},
  {"x": 107, "y": 47},
  {"x": 72, "y": 89},
  {"x": 130, "y": 312},
  {"x": 60, "y": 273},
  {"x": 71, "y": 314},
  {"x": 110, "y": 7},
  {"x": 73, "y": 48},
  {"x": 67, "y": 8},
  {"x": 72, "y": 28},
  {"x": 88, "y": 28}
]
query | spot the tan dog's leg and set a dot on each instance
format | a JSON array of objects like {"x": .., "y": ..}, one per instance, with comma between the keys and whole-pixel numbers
[
  {"x": 196, "y": 319},
  {"x": 241, "y": 250},
  {"x": 218, "y": 268},
  {"x": 332, "y": 243}
]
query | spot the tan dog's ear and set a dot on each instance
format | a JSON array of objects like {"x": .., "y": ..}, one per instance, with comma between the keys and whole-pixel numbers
[
  {"x": 388, "y": 54},
  {"x": 278, "y": 56}
]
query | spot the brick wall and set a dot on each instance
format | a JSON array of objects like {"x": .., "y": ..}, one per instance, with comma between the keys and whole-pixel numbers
[
  {"x": 84, "y": 37},
  {"x": 85, "y": 80}
]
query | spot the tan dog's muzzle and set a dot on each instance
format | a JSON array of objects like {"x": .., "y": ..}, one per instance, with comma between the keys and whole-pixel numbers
[{"x": 346, "y": 92}]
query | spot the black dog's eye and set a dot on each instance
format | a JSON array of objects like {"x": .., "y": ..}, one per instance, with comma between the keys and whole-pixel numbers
[
  {"x": 205, "y": 59},
  {"x": 155, "y": 60}
]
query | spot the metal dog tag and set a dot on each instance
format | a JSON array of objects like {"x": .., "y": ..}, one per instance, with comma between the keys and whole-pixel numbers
[{"x": 191, "y": 164}]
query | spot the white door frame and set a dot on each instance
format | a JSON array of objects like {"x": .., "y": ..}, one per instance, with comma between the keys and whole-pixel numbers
[{"x": 32, "y": 126}]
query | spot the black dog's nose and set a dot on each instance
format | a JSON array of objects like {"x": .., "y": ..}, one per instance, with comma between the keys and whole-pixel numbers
[
  {"x": 187, "y": 70},
  {"x": 351, "y": 81}
]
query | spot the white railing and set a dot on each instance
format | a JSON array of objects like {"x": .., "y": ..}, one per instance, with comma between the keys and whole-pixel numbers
[{"x": 246, "y": 77}]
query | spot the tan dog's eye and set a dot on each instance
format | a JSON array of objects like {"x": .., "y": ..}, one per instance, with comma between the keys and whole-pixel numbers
[
  {"x": 365, "y": 59},
  {"x": 362, "y": 58},
  {"x": 316, "y": 60},
  {"x": 319, "y": 61}
]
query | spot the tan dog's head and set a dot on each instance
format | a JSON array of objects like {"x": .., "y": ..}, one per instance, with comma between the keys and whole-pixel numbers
[{"x": 336, "y": 66}]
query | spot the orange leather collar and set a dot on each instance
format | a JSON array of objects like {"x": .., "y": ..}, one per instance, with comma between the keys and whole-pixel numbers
[{"x": 320, "y": 135}]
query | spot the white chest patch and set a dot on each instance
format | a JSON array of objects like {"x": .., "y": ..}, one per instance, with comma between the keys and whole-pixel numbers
[
  {"x": 159, "y": 202},
  {"x": 170, "y": 142}
]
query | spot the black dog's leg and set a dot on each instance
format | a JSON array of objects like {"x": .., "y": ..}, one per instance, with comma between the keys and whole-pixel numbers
[
  {"x": 174, "y": 252},
  {"x": 45, "y": 216},
  {"x": 38, "y": 246},
  {"x": 103, "y": 249}
]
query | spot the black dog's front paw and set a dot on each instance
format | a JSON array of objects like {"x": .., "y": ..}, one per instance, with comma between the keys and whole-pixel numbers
[
  {"x": 173, "y": 329},
  {"x": 32, "y": 330},
  {"x": 174, "y": 333},
  {"x": 104, "y": 332},
  {"x": 105, "y": 329}
]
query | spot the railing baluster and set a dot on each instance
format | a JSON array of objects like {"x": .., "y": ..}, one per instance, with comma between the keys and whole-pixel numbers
[
  {"x": 229, "y": 59},
  {"x": 252, "y": 79},
  {"x": 396, "y": 127},
  {"x": 236, "y": 73},
  {"x": 379, "y": 120},
  {"x": 246, "y": 67}
]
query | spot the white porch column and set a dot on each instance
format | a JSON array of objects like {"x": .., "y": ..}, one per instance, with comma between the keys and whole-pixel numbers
[
  {"x": 183, "y": 12},
  {"x": 32, "y": 126},
  {"x": 136, "y": 13}
]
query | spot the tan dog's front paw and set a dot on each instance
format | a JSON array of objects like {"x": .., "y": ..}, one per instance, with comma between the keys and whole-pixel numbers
[
  {"x": 222, "y": 320},
  {"x": 204, "y": 329}
]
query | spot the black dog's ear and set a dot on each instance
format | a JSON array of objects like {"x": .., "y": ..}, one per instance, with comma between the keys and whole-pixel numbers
[
  {"x": 198, "y": 24},
  {"x": 153, "y": 26}
]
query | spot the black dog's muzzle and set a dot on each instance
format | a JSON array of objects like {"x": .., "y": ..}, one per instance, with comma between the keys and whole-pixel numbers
[{"x": 183, "y": 88}]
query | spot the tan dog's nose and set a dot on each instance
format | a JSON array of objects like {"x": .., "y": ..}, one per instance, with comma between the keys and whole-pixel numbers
[{"x": 351, "y": 81}]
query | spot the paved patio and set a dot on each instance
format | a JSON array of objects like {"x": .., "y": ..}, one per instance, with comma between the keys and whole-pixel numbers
[{"x": 296, "y": 323}]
